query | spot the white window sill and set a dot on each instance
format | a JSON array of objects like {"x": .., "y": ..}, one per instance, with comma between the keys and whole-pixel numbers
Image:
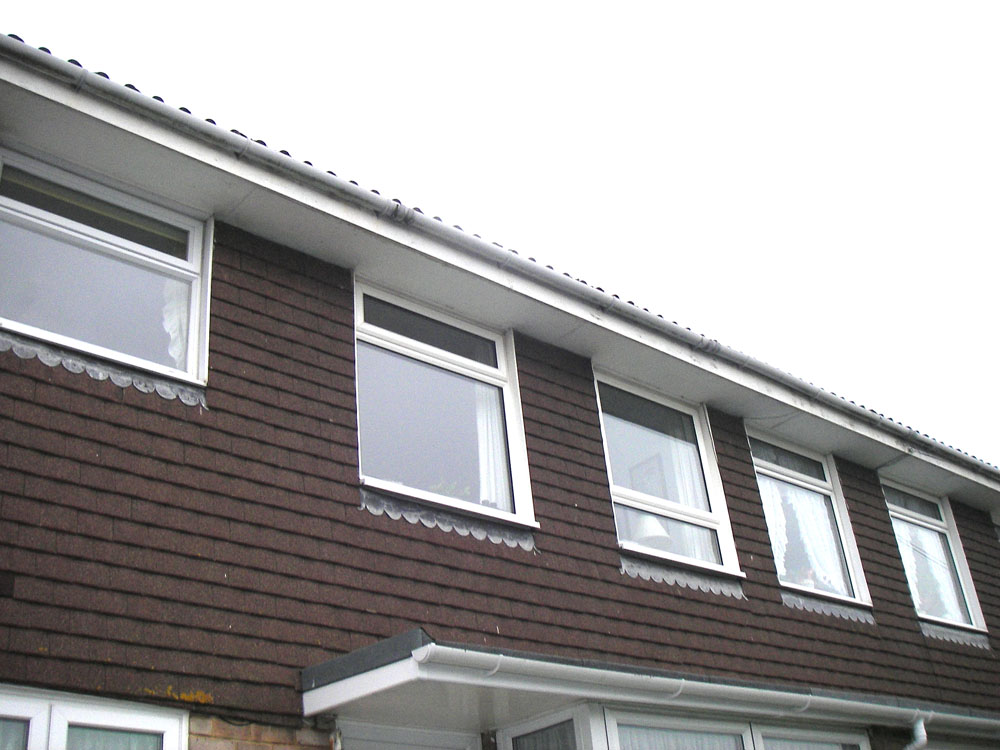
[
  {"x": 665, "y": 558},
  {"x": 817, "y": 594},
  {"x": 441, "y": 501}
]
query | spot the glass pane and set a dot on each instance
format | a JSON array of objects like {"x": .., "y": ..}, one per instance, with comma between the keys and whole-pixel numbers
[
  {"x": 95, "y": 298},
  {"x": 667, "y": 534},
  {"x": 92, "y": 738},
  {"x": 431, "y": 429},
  {"x": 13, "y": 734},
  {"x": 787, "y": 459},
  {"x": 930, "y": 571},
  {"x": 912, "y": 503},
  {"x": 429, "y": 331},
  {"x": 774, "y": 744},
  {"x": 652, "y": 738},
  {"x": 56, "y": 199},
  {"x": 804, "y": 536},
  {"x": 653, "y": 448},
  {"x": 558, "y": 737}
]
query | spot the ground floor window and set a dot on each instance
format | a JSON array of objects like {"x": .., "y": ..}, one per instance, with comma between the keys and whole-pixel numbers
[
  {"x": 645, "y": 732},
  {"x": 40, "y": 720}
]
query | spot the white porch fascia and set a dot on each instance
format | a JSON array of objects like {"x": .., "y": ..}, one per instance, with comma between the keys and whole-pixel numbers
[{"x": 466, "y": 689}]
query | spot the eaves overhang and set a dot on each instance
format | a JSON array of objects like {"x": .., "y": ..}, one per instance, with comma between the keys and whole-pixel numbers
[
  {"x": 84, "y": 121},
  {"x": 411, "y": 680}
]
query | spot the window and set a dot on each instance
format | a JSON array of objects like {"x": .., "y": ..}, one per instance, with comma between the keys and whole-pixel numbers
[
  {"x": 37, "y": 720},
  {"x": 775, "y": 738},
  {"x": 807, "y": 521},
  {"x": 567, "y": 729},
  {"x": 939, "y": 578},
  {"x": 561, "y": 736},
  {"x": 644, "y": 732},
  {"x": 667, "y": 493},
  {"x": 93, "y": 269},
  {"x": 438, "y": 413}
]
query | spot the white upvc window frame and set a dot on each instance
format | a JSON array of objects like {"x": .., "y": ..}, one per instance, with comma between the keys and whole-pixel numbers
[
  {"x": 761, "y": 732},
  {"x": 614, "y": 718},
  {"x": 752, "y": 733},
  {"x": 949, "y": 528},
  {"x": 831, "y": 487},
  {"x": 50, "y": 714},
  {"x": 715, "y": 519},
  {"x": 584, "y": 727},
  {"x": 504, "y": 376},
  {"x": 196, "y": 270}
]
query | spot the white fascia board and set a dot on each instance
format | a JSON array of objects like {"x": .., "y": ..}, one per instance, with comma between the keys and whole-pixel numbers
[{"x": 329, "y": 697}]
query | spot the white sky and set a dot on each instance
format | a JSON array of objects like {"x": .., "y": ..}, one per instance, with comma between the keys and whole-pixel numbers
[{"x": 816, "y": 184}]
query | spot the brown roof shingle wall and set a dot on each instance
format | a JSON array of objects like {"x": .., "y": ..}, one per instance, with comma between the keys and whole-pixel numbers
[{"x": 164, "y": 552}]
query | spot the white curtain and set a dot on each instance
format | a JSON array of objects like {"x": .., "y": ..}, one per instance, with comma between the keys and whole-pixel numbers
[
  {"x": 813, "y": 557},
  {"x": 494, "y": 477},
  {"x": 689, "y": 481},
  {"x": 930, "y": 572},
  {"x": 652, "y": 738},
  {"x": 176, "y": 310}
]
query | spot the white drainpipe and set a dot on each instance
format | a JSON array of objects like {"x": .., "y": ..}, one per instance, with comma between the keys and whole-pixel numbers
[{"x": 919, "y": 735}]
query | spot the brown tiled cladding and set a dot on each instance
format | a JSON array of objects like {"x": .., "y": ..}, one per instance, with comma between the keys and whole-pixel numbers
[{"x": 176, "y": 554}]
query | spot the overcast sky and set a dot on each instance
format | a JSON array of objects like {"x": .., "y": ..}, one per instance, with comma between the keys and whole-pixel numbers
[{"x": 815, "y": 184}]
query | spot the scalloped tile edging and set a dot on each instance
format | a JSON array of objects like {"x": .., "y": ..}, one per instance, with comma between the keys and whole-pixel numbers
[
  {"x": 98, "y": 370},
  {"x": 377, "y": 504}
]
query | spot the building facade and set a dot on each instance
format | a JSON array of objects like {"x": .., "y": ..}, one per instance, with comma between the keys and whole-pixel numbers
[{"x": 285, "y": 463}]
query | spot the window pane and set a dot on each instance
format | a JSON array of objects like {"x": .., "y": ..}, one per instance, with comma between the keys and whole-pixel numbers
[
  {"x": 13, "y": 734},
  {"x": 787, "y": 459},
  {"x": 54, "y": 285},
  {"x": 92, "y": 738},
  {"x": 429, "y": 331},
  {"x": 930, "y": 571},
  {"x": 653, "y": 448},
  {"x": 431, "y": 429},
  {"x": 56, "y": 199},
  {"x": 558, "y": 737},
  {"x": 773, "y": 744},
  {"x": 667, "y": 534},
  {"x": 912, "y": 503},
  {"x": 651, "y": 738},
  {"x": 804, "y": 536}
]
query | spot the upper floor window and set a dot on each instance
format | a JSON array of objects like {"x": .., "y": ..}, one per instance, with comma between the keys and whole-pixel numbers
[
  {"x": 438, "y": 411},
  {"x": 94, "y": 269},
  {"x": 807, "y": 521},
  {"x": 667, "y": 493},
  {"x": 936, "y": 569}
]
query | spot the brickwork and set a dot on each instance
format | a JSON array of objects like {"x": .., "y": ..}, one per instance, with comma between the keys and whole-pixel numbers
[{"x": 214, "y": 733}]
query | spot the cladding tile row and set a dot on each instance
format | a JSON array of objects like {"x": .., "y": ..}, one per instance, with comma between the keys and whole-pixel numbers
[{"x": 155, "y": 544}]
